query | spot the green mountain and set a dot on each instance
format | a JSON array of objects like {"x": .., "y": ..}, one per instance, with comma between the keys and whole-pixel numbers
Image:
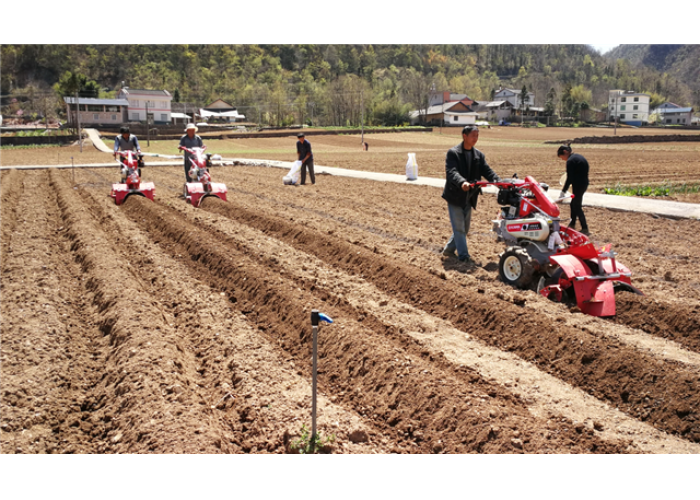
[
  {"x": 681, "y": 62},
  {"x": 334, "y": 84}
]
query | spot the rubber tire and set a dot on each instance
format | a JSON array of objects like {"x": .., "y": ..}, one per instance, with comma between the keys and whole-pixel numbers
[{"x": 516, "y": 268}]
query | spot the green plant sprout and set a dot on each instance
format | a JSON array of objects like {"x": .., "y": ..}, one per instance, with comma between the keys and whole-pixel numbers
[
  {"x": 665, "y": 189},
  {"x": 305, "y": 445}
]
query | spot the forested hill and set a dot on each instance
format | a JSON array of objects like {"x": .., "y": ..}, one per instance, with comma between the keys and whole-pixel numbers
[
  {"x": 330, "y": 81},
  {"x": 680, "y": 61}
]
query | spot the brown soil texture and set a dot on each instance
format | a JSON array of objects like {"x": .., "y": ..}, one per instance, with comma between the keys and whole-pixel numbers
[{"x": 155, "y": 327}]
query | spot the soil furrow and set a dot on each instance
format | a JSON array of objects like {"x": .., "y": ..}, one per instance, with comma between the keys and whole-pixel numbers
[
  {"x": 414, "y": 401},
  {"x": 670, "y": 321},
  {"x": 543, "y": 394},
  {"x": 11, "y": 190},
  {"x": 140, "y": 383},
  {"x": 259, "y": 398},
  {"x": 50, "y": 349},
  {"x": 665, "y": 396}
]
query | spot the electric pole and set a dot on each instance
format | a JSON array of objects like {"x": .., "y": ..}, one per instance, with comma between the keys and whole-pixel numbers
[
  {"x": 77, "y": 116},
  {"x": 362, "y": 120}
]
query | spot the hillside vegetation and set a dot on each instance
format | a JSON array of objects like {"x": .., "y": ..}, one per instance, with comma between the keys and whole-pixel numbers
[
  {"x": 333, "y": 84},
  {"x": 678, "y": 61}
]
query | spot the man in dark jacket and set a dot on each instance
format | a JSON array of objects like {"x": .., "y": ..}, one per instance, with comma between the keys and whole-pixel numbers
[
  {"x": 577, "y": 178},
  {"x": 306, "y": 157},
  {"x": 126, "y": 141},
  {"x": 190, "y": 140},
  {"x": 464, "y": 166}
]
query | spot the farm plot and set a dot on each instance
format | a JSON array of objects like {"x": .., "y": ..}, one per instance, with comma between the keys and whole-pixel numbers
[{"x": 158, "y": 327}]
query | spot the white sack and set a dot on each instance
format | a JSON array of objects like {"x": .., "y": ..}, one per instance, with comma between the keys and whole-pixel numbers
[
  {"x": 411, "y": 167},
  {"x": 294, "y": 175}
]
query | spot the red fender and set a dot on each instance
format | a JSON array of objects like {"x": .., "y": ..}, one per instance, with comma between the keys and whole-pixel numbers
[
  {"x": 196, "y": 191},
  {"x": 594, "y": 297}
]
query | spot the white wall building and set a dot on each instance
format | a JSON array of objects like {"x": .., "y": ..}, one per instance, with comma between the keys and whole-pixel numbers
[
  {"x": 155, "y": 102},
  {"x": 514, "y": 97},
  {"x": 97, "y": 111},
  {"x": 632, "y": 108},
  {"x": 673, "y": 114}
]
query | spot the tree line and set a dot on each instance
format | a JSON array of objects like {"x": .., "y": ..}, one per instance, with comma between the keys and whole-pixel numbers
[{"x": 330, "y": 84}]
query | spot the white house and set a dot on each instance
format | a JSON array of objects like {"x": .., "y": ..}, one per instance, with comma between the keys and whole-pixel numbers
[
  {"x": 154, "y": 102},
  {"x": 514, "y": 97},
  {"x": 448, "y": 114},
  {"x": 97, "y": 111},
  {"x": 494, "y": 111},
  {"x": 670, "y": 113},
  {"x": 632, "y": 108}
]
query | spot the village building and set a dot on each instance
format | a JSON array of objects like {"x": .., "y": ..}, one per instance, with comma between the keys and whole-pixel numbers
[
  {"x": 673, "y": 114},
  {"x": 514, "y": 97},
  {"x": 494, "y": 111},
  {"x": 451, "y": 114},
  {"x": 628, "y": 107},
  {"x": 154, "y": 103},
  {"x": 96, "y": 111},
  {"x": 221, "y": 110}
]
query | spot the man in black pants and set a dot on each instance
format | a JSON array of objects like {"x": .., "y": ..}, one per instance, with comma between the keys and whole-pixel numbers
[
  {"x": 577, "y": 178},
  {"x": 306, "y": 157}
]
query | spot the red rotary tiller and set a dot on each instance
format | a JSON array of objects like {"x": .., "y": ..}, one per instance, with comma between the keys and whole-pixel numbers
[
  {"x": 202, "y": 186},
  {"x": 131, "y": 179},
  {"x": 561, "y": 261}
]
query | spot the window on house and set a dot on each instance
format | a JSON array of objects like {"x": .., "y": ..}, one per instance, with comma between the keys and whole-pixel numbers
[
  {"x": 112, "y": 109},
  {"x": 622, "y": 108},
  {"x": 163, "y": 117},
  {"x": 622, "y": 116},
  {"x": 635, "y": 116},
  {"x": 456, "y": 118},
  {"x": 624, "y": 99},
  {"x": 114, "y": 118},
  {"x": 636, "y": 107},
  {"x": 636, "y": 99},
  {"x": 683, "y": 121},
  {"x": 135, "y": 116},
  {"x": 93, "y": 107},
  {"x": 95, "y": 116},
  {"x": 668, "y": 120}
]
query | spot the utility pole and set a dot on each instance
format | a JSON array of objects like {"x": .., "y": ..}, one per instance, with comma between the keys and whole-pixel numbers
[
  {"x": 362, "y": 120},
  {"x": 77, "y": 116},
  {"x": 616, "y": 114},
  {"x": 148, "y": 128}
]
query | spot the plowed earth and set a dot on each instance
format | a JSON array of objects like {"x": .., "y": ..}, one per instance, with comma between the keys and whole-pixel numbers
[{"x": 157, "y": 327}]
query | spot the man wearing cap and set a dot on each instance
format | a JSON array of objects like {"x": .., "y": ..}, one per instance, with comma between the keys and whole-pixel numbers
[
  {"x": 464, "y": 165},
  {"x": 190, "y": 140},
  {"x": 577, "y": 178},
  {"x": 126, "y": 141},
  {"x": 306, "y": 157}
]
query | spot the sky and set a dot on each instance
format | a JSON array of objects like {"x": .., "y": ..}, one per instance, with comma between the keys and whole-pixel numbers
[{"x": 603, "y": 48}]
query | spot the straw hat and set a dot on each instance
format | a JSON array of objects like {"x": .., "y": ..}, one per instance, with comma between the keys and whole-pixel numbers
[{"x": 191, "y": 126}]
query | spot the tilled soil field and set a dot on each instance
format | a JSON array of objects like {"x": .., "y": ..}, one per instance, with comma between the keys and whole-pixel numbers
[{"x": 155, "y": 327}]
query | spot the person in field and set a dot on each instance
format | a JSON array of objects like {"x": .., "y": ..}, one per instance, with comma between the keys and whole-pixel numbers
[
  {"x": 577, "y": 178},
  {"x": 464, "y": 165},
  {"x": 307, "y": 159},
  {"x": 190, "y": 140},
  {"x": 126, "y": 141}
]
